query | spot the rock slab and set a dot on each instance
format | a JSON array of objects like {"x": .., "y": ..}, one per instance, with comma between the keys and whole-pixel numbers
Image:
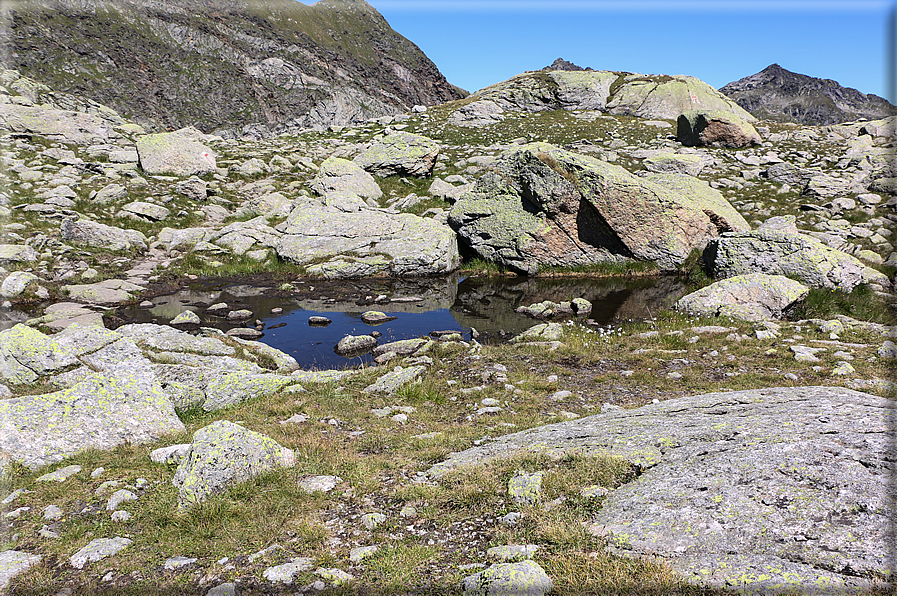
[{"x": 765, "y": 489}]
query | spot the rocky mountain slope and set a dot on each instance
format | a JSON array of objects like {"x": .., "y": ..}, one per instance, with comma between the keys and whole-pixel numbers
[
  {"x": 784, "y": 96},
  {"x": 270, "y": 65}
]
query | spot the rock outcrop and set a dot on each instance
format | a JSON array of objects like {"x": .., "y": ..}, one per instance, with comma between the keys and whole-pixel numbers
[
  {"x": 645, "y": 96},
  {"x": 728, "y": 495},
  {"x": 543, "y": 206},
  {"x": 778, "y": 94}
]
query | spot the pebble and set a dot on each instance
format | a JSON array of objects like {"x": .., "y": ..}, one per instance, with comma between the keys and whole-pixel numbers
[
  {"x": 285, "y": 573},
  {"x": 60, "y": 475},
  {"x": 336, "y": 576},
  {"x": 98, "y": 549},
  {"x": 17, "y": 513},
  {"x": 119, "y": 497},
  {"x": 510, "y": 519},
  {"x": 14, "y": 495},
  {"x": 52, "y": 513},
  {"x": 97, "y": 473},
  {"x": 356, "y": 555},
  {"x": 177, "y": 562},
  {"x": 121, "y": 516},
  {"x": 372, "y": 520},
  {"x": 319, "y": 484},
  {"x": 228, "y": 589}
]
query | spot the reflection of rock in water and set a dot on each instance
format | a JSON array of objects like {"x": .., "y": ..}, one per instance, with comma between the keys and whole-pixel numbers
[
  {"x": 431, "y": 293},
  {"x": 9, "y": 318},
  {"x": 488, "y": 305}
]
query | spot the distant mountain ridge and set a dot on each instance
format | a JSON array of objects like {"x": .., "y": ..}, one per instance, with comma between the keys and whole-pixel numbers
[
  {"x": 784, "y": 96},
  {"x": 269, "y": 65}
]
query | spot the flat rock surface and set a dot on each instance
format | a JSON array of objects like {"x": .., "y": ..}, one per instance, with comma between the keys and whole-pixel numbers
[{"x": 794, "y": 480}]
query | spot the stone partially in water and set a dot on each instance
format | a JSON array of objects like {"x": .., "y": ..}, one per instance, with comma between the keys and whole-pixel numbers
[{"x": 353, "y": 345}]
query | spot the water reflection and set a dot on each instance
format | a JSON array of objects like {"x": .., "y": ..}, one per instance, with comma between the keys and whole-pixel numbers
[{"x": 420, "y": 305}]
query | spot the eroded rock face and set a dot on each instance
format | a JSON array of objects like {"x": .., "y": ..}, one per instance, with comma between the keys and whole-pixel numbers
[
  {"x": 223, "y": 454},
  {"x": 715, "y": 128},
  {"x": 546, "y": 206},
  {"x": 778, "y": 252},
  {"x": 722, "y": 474}
]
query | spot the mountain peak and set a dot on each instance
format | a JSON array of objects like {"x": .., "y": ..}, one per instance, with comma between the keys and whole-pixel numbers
[{"x": 561, "y": 64}]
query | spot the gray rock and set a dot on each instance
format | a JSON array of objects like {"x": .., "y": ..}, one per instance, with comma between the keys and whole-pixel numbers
[
  {"x": 544, "y": 206},
  {"x": 477, "y": 114},
  {"x": 21, "y": 284},
  {"x": 171, "y": 454},
  {"x": 60, "y": 475},
  {"x": 84, "y": 232},
  {"x": 97, "y": 550},
  {"x": 174, "y": 153},
  {"x": 52, "y": 513},
  {"x": 400, "y": 153},
  {"x": 162, "y": 337},
  {"x": 375, "y": 317},
  {"x": 360, "y": 553},
  {"x": 27, "y": 354},
  {"x": 234, "y": 388},
  {"x": 222, "y": 454},
  {"x": 715, "y": 128},
  {"x": 174, "y": 563},
  {"x": 540, "y": 333},
  {"x": 393, "y": 381},
  {"x": 342, "y": 175},
  {"x": 372, "y": 520},
  {"x": 319, "y": 484},
  {"x": 674, "y": 163},
  {"x": 335, "y": 244},
  {"x": 284, "y": 574},
  {"x": 513, "y": 552},
  {"x": 110, "y": 194},
  {"x": 727, "y": 491},
  {"x": 525, "y": 488},
  {"x": 226, "y": 589},
  {"x": 752, "y": 297},
  {"x": 782, "y": 253},
  {"x": 119, "y": 497},
  {"x": 337, "y": 577},
  {"x": 12, "y": 563},
  {"x": 145, "y": 211},
  {"x": 108, "y": 292},
  {"x": 195, "y": 189},
  {"x": 509, "y": 579},
  {"x": 888, "y": 350},
  {"x": 188, "y": 317},
  {"x": 352, "y": 345},
  {"x": 17, "y": 253},
  {"x": 403, "y": 347},
  {"x": 37, "y": 430}
]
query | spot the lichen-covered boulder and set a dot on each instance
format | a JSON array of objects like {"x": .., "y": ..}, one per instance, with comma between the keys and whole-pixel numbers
[
  {"x": 27, "y": 354},
  {"x": 752, "y": 297},
  {"x": 231, "y": 389},
  {"x": 526, "y": 578},
  {"x": 223, "y": 454},
  {"x": 544, "y": 206},
  {"x": 86, "y": 232},
  {"x": 396, "y": 379},
  {"x": 336, "y": 244},
  {"x": 400, "y": 153},
  {"x": 768, "y": 490},
  {"x": 674, "y": 163},
  {"x": 779, "y": 252},
  {"x": 341, "y": 175},
  {"x": 22, "y": 284},
  {"x": 715, "y": 128},
  {"x": 174, "y": 153},
  {"x": 477, "y": 114},
  {"x": 100, "y": 412},
  {"x": 17, "y": 253}
]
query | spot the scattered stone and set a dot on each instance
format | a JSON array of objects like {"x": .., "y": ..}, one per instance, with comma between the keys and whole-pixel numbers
[
  {"x": 354, "y": 345},
  {"x": 284, "y": 574},
  {"x": 373, "y": 317},
  {"x": 119, "y": 497},
  {"x": 400, "y": 153},
  {"x": 715, "y": 128},
  {"x": 174, "y": 153},
  {"x": 393, "y": 381},
  {"x": 97, "y": 550},
  {"x": 188, "y": 317},
  {"x": 12, "y": 563},
  {"x": 121, "y": 516},
  {"x": 172, "y": 454},
  {"x": 226, "y": 589},
  {"x": 356, "y": 555},
  {"x": 372, "y": 520},
  {"x": 337, "y": 577},
  {"x": 174, "y": 563},
  {"x": 753, "y": 297},
  {"x": 318, "y": 321},
  {"x": 525, "y": 488},
  {"x": 60, "y": 475},
  {"x": 319, "y": 484},
  {"x": 512, "y": 552}
]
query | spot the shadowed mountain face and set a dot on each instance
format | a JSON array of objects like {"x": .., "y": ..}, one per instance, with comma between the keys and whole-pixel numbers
[
  {"x": 272, "y": 65},
  {"x": 785, "y": 96}
]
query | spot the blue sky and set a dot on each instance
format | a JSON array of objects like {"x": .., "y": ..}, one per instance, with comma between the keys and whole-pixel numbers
[{"x": 476, "y": 43}]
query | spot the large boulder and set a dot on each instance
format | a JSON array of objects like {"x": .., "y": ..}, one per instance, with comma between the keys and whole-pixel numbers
[
  {"x": 544, "y": 206},
  {"x": 477, "y": 114},
  {"x": 223, "y": 454},
  {"x": 27, "y": 354},
  {"x": 17, "y": 253},
  {"x": 336, "y": 244},
  {"x": 715, "y": 128},
  {"x": 100, "y": 412},
  {"x": 341, "y": 175},
  {"x": 400, "y": 153},
  {"x": 174, "y": 153},
  {"x": 64, "y": 126},
  {"x": 767, "y": 489},
  {"x": 780, "y": 252},
  {"x": 753, "y": 297},
  {"x": 86, "y": 232}
]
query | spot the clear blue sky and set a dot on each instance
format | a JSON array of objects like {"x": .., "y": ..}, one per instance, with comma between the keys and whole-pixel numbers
[{"x": 476, "y": 43}]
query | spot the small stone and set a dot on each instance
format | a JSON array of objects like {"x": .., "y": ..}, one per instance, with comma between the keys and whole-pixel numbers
[
  {"x": 46, "y": 532},
  {"x": 12, "y": 563},
  {"x": 178, "y": 562},
  {"x": 356, "y": 555},
  {"x": 17, "y": 513},
  {"x": 593, "y": 492},
  {"x": 52, "y": 513},
  {"x": 509, "y": 579},
  {"x": 400, "y": 418},
  {"x": 60, "y": 475},
  {"x": 98, "y": 549},
  {"x": 512, "y": 552},
  {"x": 97, "y": 473},
  {"x": 284, "y": 574},
  {"x": 372, "y": 520},
  {"x": 119, "y": 497},
  {"x": 188, "y": 317},
  {"x": 674, "y": 376},
  {"x": 510, "y": 519},
  {"x": 489, "y": 402},
  {"x": 227, "y": 589},
  {"x": 14, "y": 495},
  {"x": 121, "y": 516},
  {"x": 843, "y": 369},
  {"x": 337, "y": 577},
  {"x": 559, "y": 395},
  {"x": 239, "y": 315},
  {"x": 374, "y": 317},
  {"x": 173, "y": 454},
  {"x": 295, "y": 418},
  {"x": 318, "y": 321},
  {"x": 319, "y": 484},
  {"x": 408, "y": 511}
]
